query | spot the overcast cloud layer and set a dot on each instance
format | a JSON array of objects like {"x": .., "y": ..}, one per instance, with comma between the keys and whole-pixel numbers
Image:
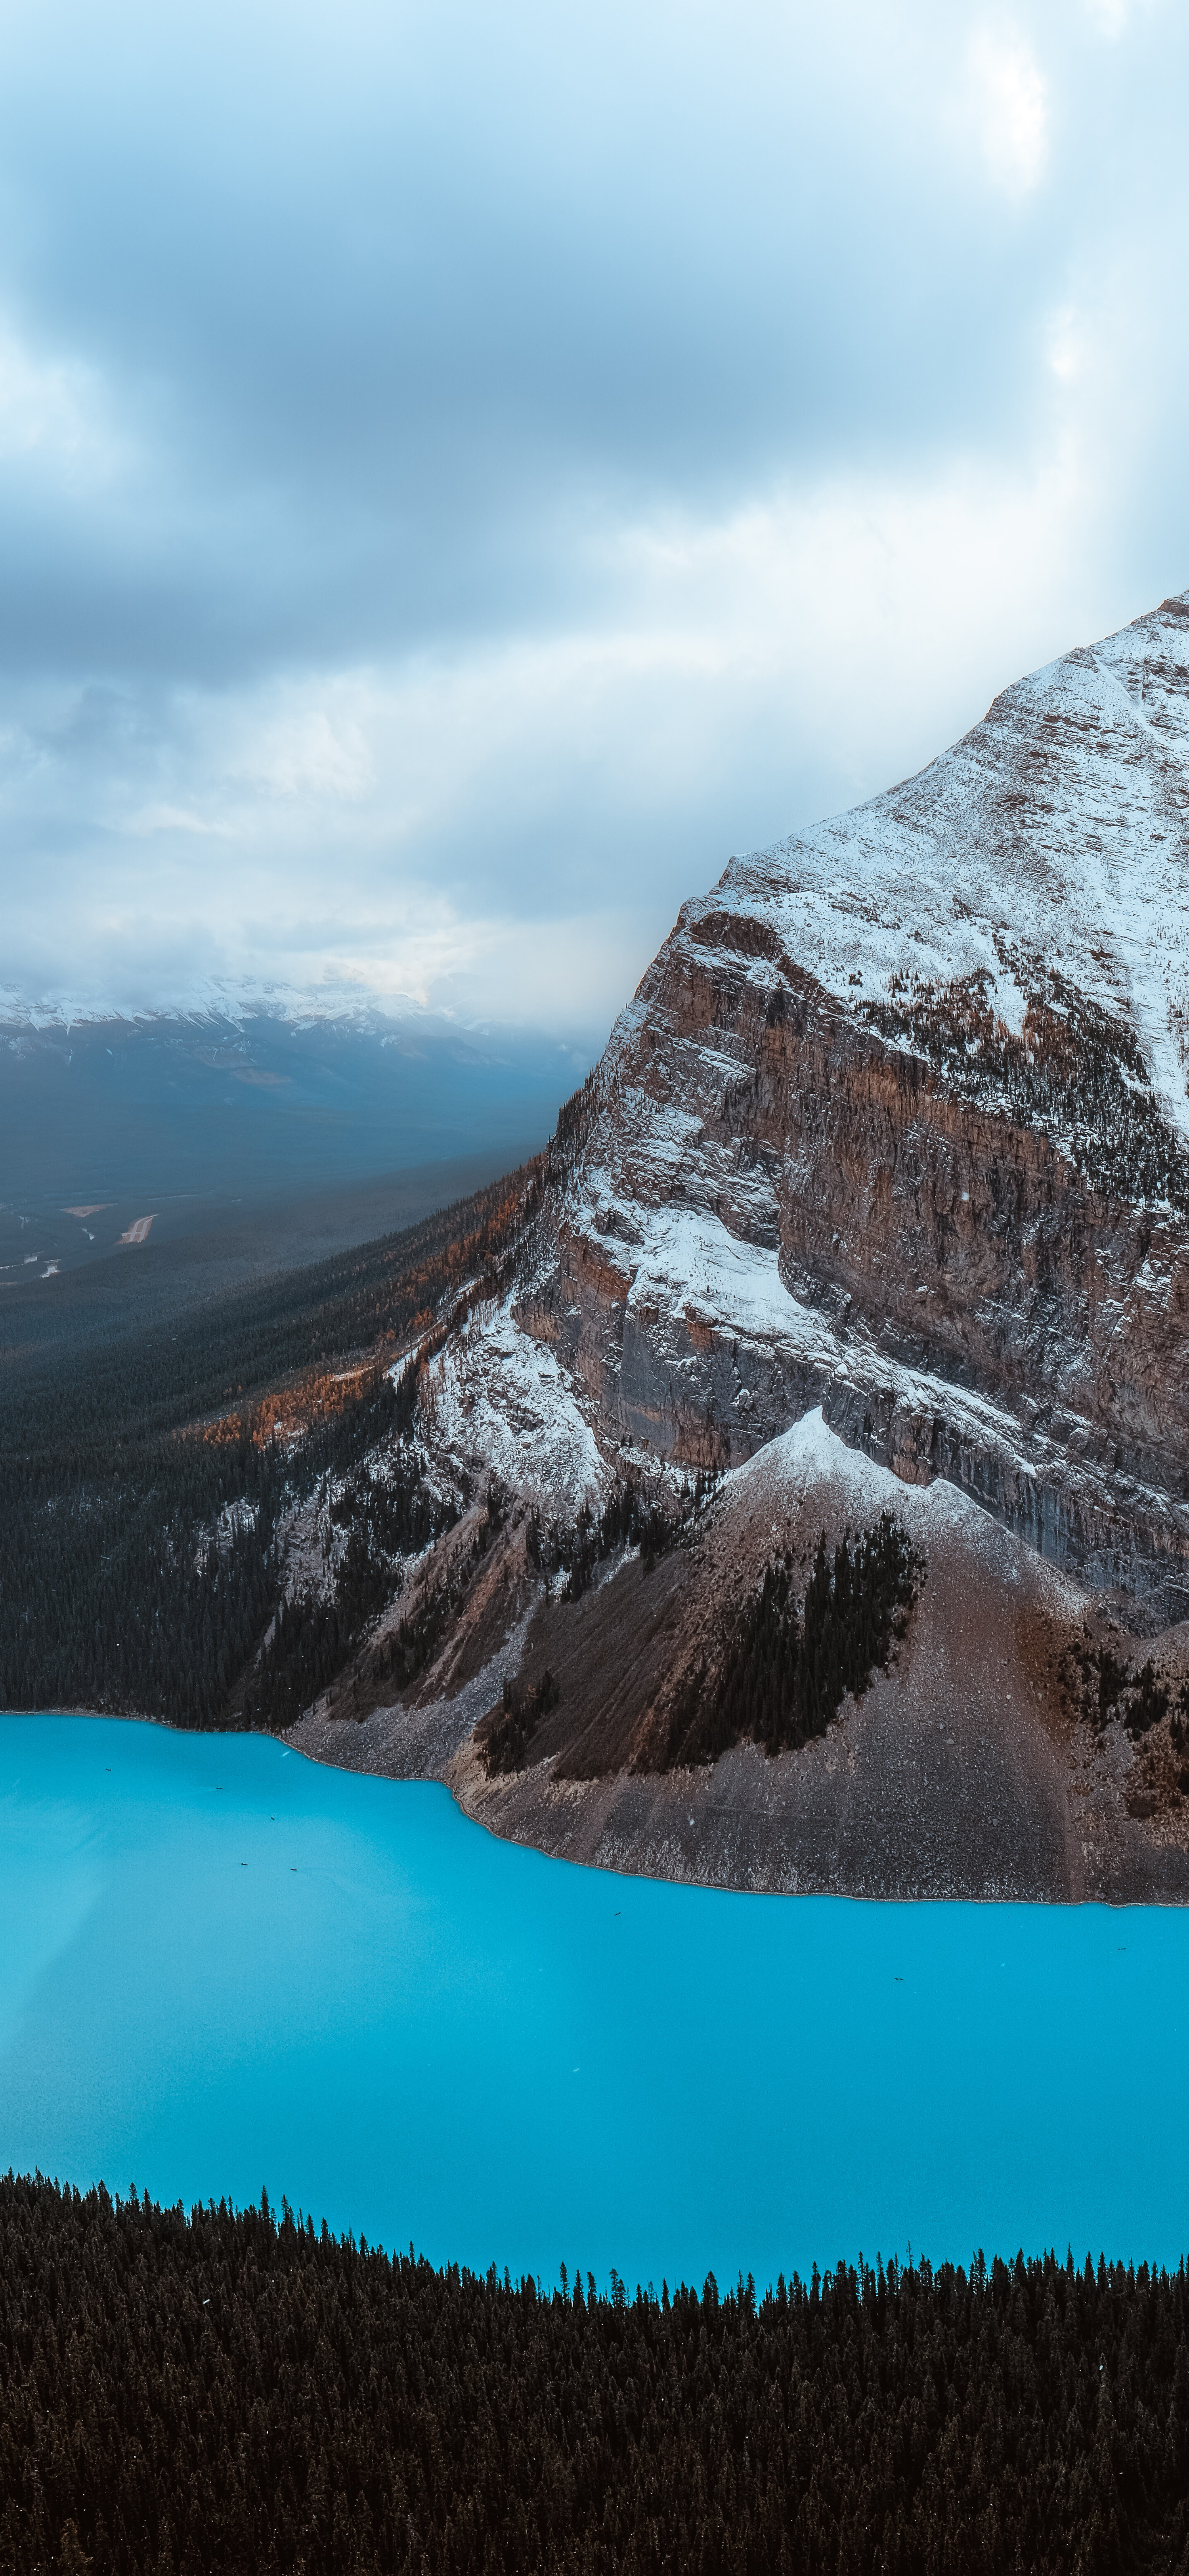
[{"x": 465, "y": 472}]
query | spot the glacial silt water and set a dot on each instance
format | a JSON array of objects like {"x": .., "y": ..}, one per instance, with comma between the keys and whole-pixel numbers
[{"x": 222, "y": 1966}]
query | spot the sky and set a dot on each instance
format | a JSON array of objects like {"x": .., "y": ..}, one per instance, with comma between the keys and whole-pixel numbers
[{"x": 467, "y": 472}]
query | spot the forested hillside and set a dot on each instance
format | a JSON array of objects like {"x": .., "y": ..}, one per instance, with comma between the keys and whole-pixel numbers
[
  {"x": 223, "y": 2392},
  {"x": 143, "y": 1475}
]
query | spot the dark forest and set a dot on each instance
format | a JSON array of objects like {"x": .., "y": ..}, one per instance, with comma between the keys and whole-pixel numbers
[
  {"x": 785, "y": 1671},
  {"x": 233, "y": 2391},
  {"x": 143, "y": 1475}
]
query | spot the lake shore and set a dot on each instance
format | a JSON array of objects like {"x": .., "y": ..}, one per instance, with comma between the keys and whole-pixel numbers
[
  {"x": 857, "y": 1814},
  {"x": 916, "y": 1816},
  {"x": 975, "y": 1762}
]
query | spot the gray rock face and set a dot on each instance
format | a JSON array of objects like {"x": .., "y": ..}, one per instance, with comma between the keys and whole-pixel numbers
[{"x": 897, "y": 1124}]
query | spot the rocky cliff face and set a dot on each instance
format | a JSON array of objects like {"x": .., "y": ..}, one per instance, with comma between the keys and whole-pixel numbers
[
  {"x": 897, "y": 1124},
  {"x": 879, "y": 1199}
]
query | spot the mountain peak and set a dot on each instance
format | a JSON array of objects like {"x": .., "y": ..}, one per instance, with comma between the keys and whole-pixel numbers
[
  {"x": 1052, "y": 838},
  {"x": 877, "y": 1208}
]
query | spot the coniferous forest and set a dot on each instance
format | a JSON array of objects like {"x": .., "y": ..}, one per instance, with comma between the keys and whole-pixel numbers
[
  {"x": 785, "y": 1671},
  {"x": 145, "y": 1467},
  {"x": 230, "y": 2391}
]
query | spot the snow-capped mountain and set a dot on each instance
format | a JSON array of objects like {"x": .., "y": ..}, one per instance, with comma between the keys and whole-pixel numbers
[
  {"x": 898, "y": 1123},
  {"x": 878, "y": 1201}
]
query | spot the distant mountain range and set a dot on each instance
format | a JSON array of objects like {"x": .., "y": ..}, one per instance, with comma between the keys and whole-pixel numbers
[
  {"x": 249, "y": 1098},
  {"x": 226, "y": 1002}
]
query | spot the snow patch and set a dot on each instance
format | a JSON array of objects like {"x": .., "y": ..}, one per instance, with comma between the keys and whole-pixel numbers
[
  {"x": 690, "y": 1262},
  {"x": 811, "y": 1455},
  {"x": 497, "y": 1398}
]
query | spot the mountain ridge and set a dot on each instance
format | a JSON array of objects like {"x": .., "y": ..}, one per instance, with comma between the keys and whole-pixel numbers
[
  {"x": 788, "y": 1488},
  {"x": 962, "y": 1225},
  {"x": 1029, "y": 767},
  {"x": 890, "y": 1138}
]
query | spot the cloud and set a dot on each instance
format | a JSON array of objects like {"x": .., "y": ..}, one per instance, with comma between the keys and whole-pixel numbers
[
  {"x": 514, "y": 823},
  {"x": 53, "y": 410},
  {"x": 464, "y": 473},
  {"x": 1012, "y": 107},
  {"x": 151, "y": 819},
  {"x": 1112, "y": 18}
]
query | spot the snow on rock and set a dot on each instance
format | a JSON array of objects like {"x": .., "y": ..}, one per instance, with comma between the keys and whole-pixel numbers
[
  {"x": 690, "y": 1263},
  {"x": 233, "y": 1521},
  {"x": 1055, "y": 833},
  {"x": 498, "y": 1401},
  {"x": 810, "y": 1454},
  {"x": 897, "y": 1123},
  {"x": 810, "y": 1457}
]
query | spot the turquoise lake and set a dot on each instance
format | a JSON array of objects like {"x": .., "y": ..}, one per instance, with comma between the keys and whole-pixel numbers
[{"x": 222, "y": 1967}]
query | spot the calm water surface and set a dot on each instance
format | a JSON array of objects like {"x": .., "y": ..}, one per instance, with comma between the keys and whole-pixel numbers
[{"x": 221, "y": 1966}]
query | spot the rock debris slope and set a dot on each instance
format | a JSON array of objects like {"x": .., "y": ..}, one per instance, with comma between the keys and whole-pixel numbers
[{"x": 894, "y": 1136}]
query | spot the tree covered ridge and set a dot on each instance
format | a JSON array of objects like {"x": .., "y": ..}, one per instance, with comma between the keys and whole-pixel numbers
[
  {"x": 1075, "y": 1071},
  {"x": 142, "y": 1483},
  {"x": 630, "y": 1518},
  {"x": 785, "y": 1670},
  {"x": 62, "y": 1405},
  {"x": 227, "y": 2391}
]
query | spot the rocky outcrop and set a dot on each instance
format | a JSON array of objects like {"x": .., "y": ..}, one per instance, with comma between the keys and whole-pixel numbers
[
  {"x": 897, "y": 1124},
  {"x": 973, "y": 1764},
  {"x": 879, "y": 1199}
]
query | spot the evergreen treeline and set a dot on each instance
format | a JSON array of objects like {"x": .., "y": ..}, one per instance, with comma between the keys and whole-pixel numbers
[
  {"x": 388, "y": 1512},
  {"x": 139, "y": 1514},
  {"x": 1075, "y": 1071},
  {"x": 504, "y": 1737},
  {"x": 783, "y": 1676},
  {"x": 628, "y": 1519},
  {"x": 58, "y": 1398},
  {"x": 1104, "y": 1688},
  {"x": 226, "y": 2392},
  {"x": 396, "y": 1659}
]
